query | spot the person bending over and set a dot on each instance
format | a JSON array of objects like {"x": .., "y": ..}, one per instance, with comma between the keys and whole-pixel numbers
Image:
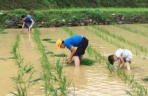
[
  {"x": 124, "y": 56},
  {"x": 75, "y": 41},
  {"x": 30, "y": 22}
]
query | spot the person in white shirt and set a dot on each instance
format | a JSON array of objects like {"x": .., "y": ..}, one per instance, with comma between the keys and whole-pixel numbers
[{"x": 123, "y": 55}]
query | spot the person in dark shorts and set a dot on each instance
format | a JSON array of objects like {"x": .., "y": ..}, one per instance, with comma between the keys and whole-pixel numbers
[
  {"x": 29, "y": 21},
  {"x": 75, "y": 41}
]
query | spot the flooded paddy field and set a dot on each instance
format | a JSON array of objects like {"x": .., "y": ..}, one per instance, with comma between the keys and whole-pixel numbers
[{"x": 94, "y": 80}]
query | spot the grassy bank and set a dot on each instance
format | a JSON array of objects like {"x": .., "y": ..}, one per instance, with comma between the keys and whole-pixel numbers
[{"x": 66, "y": 16}]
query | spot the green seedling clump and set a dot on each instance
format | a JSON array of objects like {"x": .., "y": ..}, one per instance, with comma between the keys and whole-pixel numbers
[
  {"x": 46, "y": 39},
  {"x": 146, "y": 78},
  {"x": 60, "y": 55},
  {"x": 49, "y": 52},
  {"x": 51, "y": 41},
  {"x": 3, "y": 32},
  {"x": 87, "y": 61}
]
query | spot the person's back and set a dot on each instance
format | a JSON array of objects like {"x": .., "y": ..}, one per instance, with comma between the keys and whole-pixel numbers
[
  {"x": 124, "y": 53},
  {"x": 73, "y": 41},
  {"x": 28, "y": 19}
]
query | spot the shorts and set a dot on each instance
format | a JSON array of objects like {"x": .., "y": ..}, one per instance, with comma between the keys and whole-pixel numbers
[
  {"x": 82, "y": 47},
  {"x": 29, "y": 24}
]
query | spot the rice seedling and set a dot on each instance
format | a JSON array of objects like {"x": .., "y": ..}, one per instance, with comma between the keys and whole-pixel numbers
[
  {"x": 87, "y": 61},
  {"x": 68, "y": 31},
  {"x": 46, "y": 39},
  {"x": 146, "y": 78},
  {"x": 104, "y": 37},
  {"x": 21, "y": 82},
  {"x": 51, "y": 41},
  {"x": 3, "y": 32},
  {"x": 128, "y": 93},
  {"x": 131, "y": 30},
  {"x": 121, "y": 39},
  {"x": 4, "y": 59},
  {"x": 55, "y": 82},
  {"x": 50, "y": 52}
]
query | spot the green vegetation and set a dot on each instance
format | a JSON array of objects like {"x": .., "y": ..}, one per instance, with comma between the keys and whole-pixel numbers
[
  {"x": 131, "y": 30},
  {"x": 2, "y": 31},
  {"x": 138, "y": 88},
  {"x": 55, "y": 81},
  {"x": 121, "y": 39},
  {"x": 24, "y": 78},
  {"x": 49, "y": 40},
  {"x": 46, "y": 4},
  {"x": 146, "y": 78},
  {"x": 87, "y": 61},
  {"x": 74, "y": 15}
]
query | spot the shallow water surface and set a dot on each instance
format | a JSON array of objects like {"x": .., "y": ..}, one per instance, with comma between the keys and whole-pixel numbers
[{"x": 93, "y": 80}]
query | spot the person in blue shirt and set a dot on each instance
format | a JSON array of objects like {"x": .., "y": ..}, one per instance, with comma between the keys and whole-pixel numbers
[
  {"x": 75, "y": 41},
  {"x": 29, "y": 21}
]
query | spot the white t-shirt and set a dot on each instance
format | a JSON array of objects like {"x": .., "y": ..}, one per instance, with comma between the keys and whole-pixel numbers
[{"x": 124, "y": 53}]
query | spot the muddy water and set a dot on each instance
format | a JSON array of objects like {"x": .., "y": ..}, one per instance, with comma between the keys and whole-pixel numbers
[
  {"x": 8, "y": 69},
  {"x": 87, "y": 80},
  {"x": 139, "y": 64}
]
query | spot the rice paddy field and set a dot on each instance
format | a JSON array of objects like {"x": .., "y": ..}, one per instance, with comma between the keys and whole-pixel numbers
[{"x": 31, "y": 65}]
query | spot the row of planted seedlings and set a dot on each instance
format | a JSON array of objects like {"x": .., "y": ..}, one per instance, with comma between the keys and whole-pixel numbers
[
  {"x": 124, "y": 27},
  {"x": 24, "y": 78},
  {"x": 55, "y": 81},
  {"x": 111, "y": 41},
  {"x": 105, "y": 38},
  {"x": 121, "y": 39},
  {"x": 138, "y": 88},
  {"x": 143, "y": 25}
]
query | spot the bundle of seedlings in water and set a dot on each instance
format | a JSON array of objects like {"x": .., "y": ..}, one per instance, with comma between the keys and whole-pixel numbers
[
  {"x": 146, "y": 78},
  {"x": 87, "y": 61},
  {"x": 48, "y": 40}
]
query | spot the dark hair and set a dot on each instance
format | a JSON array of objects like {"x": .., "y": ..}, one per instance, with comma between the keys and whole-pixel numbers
[
  {"x": 23, "y": 16},
  {"x": 62, "y": 41},
  {"x": 111, "y": 59}
]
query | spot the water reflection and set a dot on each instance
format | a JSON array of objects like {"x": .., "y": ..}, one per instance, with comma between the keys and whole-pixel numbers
[{"x": 27, "y": 40}]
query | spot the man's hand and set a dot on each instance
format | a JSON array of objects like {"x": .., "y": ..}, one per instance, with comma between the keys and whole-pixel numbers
[{"x": 69, "y": 61}]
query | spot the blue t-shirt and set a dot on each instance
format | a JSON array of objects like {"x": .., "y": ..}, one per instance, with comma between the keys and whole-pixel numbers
[
  {"x": 28, "y": 20},
  {"x": 73, "y": 41}
]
